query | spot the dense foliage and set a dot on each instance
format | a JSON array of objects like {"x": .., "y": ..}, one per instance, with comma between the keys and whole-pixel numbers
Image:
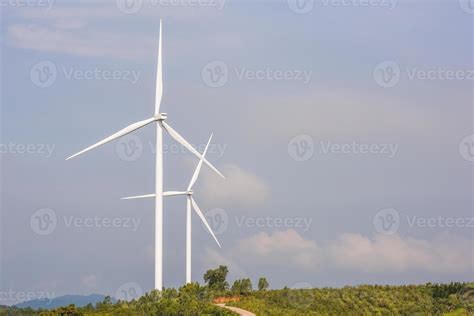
[
  {"x": 242, "y": 287},
  {"x": 217, "y": 278},
  {"x": 263, "y": 284},
  {"x": 429, "y": 299},
  {"x": 191, "y": 299},
  {"x": 194, "y": 299}
]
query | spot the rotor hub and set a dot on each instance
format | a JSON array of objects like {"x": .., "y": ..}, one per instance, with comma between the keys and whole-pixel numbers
[
  {"x": 190, "y": 192},
  {"x": 161, "y": 116}
]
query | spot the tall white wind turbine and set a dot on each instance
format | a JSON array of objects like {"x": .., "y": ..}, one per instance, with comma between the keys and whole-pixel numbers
[
  {"x": 190, "y": 202},
  {"x": 161, "y": 125}
]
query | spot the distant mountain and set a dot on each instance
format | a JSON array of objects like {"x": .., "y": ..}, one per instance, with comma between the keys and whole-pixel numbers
[{"x": 78, "y": 300}]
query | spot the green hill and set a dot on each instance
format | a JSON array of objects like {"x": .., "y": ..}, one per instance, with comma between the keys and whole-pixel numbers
[
  {"x": 429, "y": 299},
  {"x": 195, "y": 299}
]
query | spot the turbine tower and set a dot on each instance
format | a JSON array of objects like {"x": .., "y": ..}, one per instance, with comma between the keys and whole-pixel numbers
[
  {"x": 189, "y": 203},
  {"x": 161, "y": 125}
]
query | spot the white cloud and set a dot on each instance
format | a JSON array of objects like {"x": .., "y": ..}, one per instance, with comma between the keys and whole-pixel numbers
[
  {"x": 64, "y": 30},
  {"x": 396, "y": 254},
  {"x": 352, "y": 252},
  {"x": 79, "y": 31},
  {"x": 214, "y": 258},
  {"x": 281, "y": 247},
  {"x": 66, "y": 39},
  {"x": 241, "y": 189}
]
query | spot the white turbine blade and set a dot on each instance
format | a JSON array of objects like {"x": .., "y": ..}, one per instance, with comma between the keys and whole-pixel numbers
[
  {"x": 159, "y": 72},
  {"x": 120, "y": 133},
  {"x": 138, "y": 197},
  {"x": 198, "y": 168},
  {"x": 185, "y": 143},
  {"x": 168, "y": 193},
  {"x": 174, "y": 193},
  {"x": 201, "y": 215}
]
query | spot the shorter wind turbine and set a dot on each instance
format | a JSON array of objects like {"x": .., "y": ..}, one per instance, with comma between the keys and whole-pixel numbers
[{"x": 189, "y": 203}]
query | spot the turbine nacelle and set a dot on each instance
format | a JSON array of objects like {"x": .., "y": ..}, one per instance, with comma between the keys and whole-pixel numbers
[{"x": 161, "y": 116}]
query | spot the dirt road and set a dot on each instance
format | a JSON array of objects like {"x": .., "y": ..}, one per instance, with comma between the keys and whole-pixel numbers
[{"x": 237, "y": 310}]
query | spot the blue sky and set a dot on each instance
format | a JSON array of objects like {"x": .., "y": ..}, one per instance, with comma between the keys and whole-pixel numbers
[{"x": 331, "y": 121}]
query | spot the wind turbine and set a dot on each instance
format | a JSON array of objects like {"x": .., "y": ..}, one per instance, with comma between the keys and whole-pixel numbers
[
  {"x": 161, "y": 125},
  {"x": 189, "y": 203}
]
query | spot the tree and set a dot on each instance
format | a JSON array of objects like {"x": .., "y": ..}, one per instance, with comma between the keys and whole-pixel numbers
[
  {"x": 217, "y": 278},
  {"x": 89, "y": 307},
  {"x": 262, "y": 284},
  {"x": 243, "y": 286}
]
